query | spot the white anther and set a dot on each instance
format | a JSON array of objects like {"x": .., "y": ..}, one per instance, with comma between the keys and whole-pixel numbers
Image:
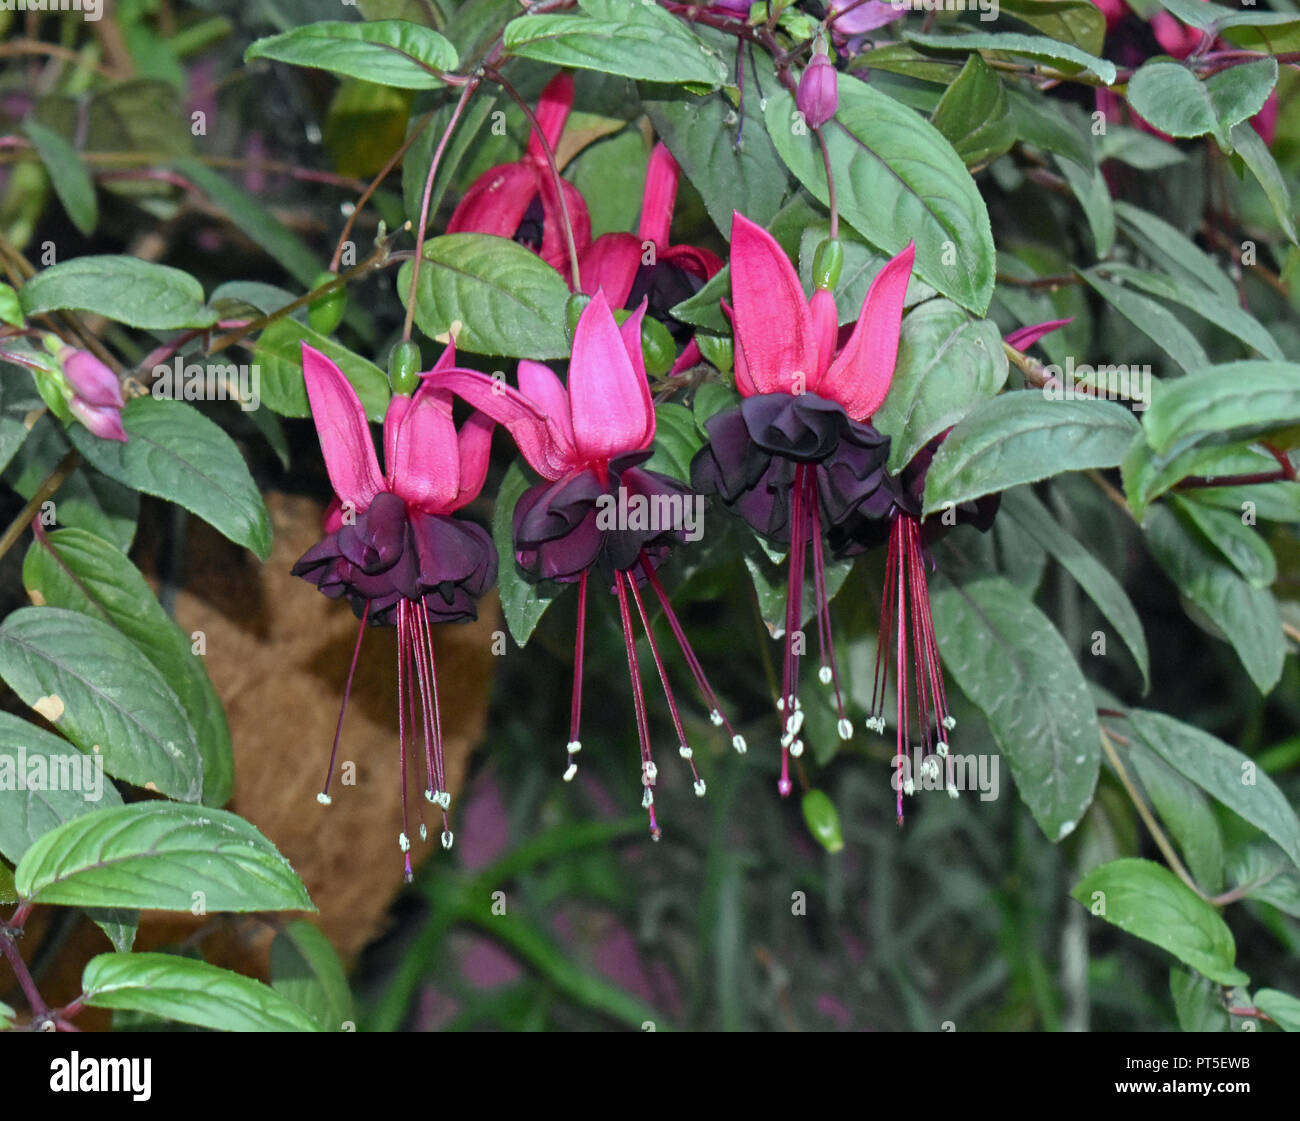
[
  {"x": 404, "y": 842},
  {"x": 424, "y": 832},
  {"x": 930, "y": 765},
  {"x": 715, "y": 718},
  {"x": 431, "y": 796},
  {"x": 941, "y": 749},
  {"x": 324, "y": 799},
  {"x": 780, "y": 704},
  {"x": 447, "y": 838},
  {"x": 647, "y": 799},
  {"x": 738, "y": 742},
  {"x": 796, "y": 748},
  {"x": 574, "y": 747},
  {"x": 950, "y": 722},
  {"x": 651, "y": 771},
  {"x": 699, "y": 788},
  {"x": 952, "y": 791},
  {"x": 570, "y": 771},
  {"x": 845, "y": 728},
  {"x": 876, "y": 724},
  {"x": 825, "y": 676},
  {"x": 794, "y": 723},
  {"x": 444, "y": 799},
  {"x": 685, "y": 751},
  {"x": 909, "y": 788}
]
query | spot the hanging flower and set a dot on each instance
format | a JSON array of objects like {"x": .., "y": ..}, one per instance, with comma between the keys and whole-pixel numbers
[
  {"x": 96, "y": 395},
  {"x": 798, "y": 457},
  {"x": 518, "y": 200},
  {"x": 818, "y": 93},
  {"x": 597, "y": 511},
  {"x": 630, "y": 268},
  {"x": 392, "y": 547}
]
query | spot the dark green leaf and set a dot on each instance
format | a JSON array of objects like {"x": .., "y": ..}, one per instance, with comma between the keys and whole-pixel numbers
[
  {"x": 1197, "y": 1001},
  {"x": 1229, "y": 402},
  {"x": 974, "y": 114},
  {"x": 189, "y": 991},
  {"x": 386, "y": 52},
  {"x": 676, "y": 441},
  {"x": 1187, "y": 815},
  {"x": 96, "y": 688},
  {"x": 161, "y": 856},
  {"x": 1150, "y": 902},
  {"x": 1156, "y": 321},
  {"x": 306, "y": 970},
  {"x": 175, "y": 452},
  {"x": 1251, "y": 148},
  {"x": 1068, "y": 58},
  {"x": 1282, "y": 1008},
  {"x": 1240, "y": 544},
  {"x": 1168, "y": 96},
  {"x": 278, "y": 353},
  {"x": 127, "y": 289},
  {"x": 72, "y": 182}
]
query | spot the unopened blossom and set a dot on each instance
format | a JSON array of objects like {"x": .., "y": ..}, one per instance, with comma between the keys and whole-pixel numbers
[
  {"x": 818, "y": 96},
  {"x": 799, "y": 457},
  {"x": 394, "y": 549},
  {"x": 587, "y": 439},
  {"x": 96, "y": 395}
]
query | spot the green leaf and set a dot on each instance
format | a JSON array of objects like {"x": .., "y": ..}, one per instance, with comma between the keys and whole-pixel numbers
[
  {"x": 735, "y": 168},
  {"x": 30, "y": 810},
  {"x": 1042, "y": 124},
  {"x": 71, "y": 180},
  {"x": 1068, "y": 58},
  {"x": 1089, "y": 573},
  {"x": 1197, "y": 1002},
  {"x": 1245, "y": 616},
  {"x": 189, "y": 991},
  {"x": 1168, "y": 96},
  {"x": 769, "y": 571},
  {"x": 861, "y": 265},
  {"x": 1173, "y": 251},
  {"x": 1137, "y": 149},
  {"x": 1150, "y": 902},
  {"x": 1282, "y": 1008},
  {"x": 1240, "y": 544},
  {"x": 306, "y": 970},
  {"x": 1153, "y": 319},
  {"x": 677, "y": 439},
  {"x": 176, "y": 453},
  {"x": 897, "y": 180},
  {"x": 1261, "y": 871},
  {"x": 419, "y": 157},
  {"x": 496, "y": 297},
  {"x": 386, "y": 52},
  {"x": 96, "y": 688},
  {"x": 278, "y": 354},
  {"x": 76, "y": 570},
  {"x": 157, "y": 856},
  {"x": 522, "y": 603},
  {"x": 1251, "y": 148},
  {"x": 1015, "y": 667},
  {"x": 1226, "y": 403},
  {"x": 646, "y": 43},
  {"x": 947, "y": 362},
  {"x": 1186, "y": 814},
  {"x": 1071, "y": 21},
  {"x": 125, "y": 289},
  {"x": 1022, "y": 437},
  {"x": 11, "y": 310},
  {"x": 1093, "y": 192},
  {"x": 974, "y": 114},
  {"x": 1223, "y": 772},
  {"x": 704, "y": 309}
]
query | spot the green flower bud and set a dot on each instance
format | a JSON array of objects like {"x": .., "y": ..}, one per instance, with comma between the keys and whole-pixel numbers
[
  {"x": 828, "y": 262},
  {"x": 573, "y": 308},
  {"x": 404, "y": 368},
  {"x": 657, "y": 347},
  {"x": 325, "y": 313},
  {"x": 823, "y": 820}
]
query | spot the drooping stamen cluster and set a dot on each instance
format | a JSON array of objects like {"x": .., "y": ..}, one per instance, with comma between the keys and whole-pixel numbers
[
  {"x": 798, "y": 458},
  {"x": 587, "y": 440},
  {"x": 394, "y": 551}
]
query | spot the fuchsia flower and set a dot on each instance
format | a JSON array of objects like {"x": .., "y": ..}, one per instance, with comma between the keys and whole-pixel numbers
[
  {"x": 518, "y": 200},
  {"x": 798, "y": 459},
  {"x": 818, "y": 94},
  {"x": 96, "y": 398},
  {"x": 392, "y": 546},
  {"x": 630, "y": 268},
  {"x": 587, "y": 441}
]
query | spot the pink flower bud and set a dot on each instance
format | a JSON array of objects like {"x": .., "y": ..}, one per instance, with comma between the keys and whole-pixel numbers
[
  {"x": 91, "y": 380},
  {"x": 818, "y": 94},
  {"x": 104, "y": 421}
]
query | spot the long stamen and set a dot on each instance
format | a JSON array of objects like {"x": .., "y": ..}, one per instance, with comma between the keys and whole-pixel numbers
[
  {"x": 324, "y": 796},
  {"x": 901, "y": 685},
  {"x": 684, "y": 748},
  {"x": 828, "y": 672},
  {"x": 403, "y": 644},
  {"x": 441, "y": 796},
  {"x": 648, "y": 771},
  {"x": 575, "y": 711},
  {"x": 716, "y": 715},
  {"x": 789, "y": 704}
]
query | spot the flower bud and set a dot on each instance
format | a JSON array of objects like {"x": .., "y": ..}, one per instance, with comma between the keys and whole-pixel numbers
[
  {"x": 404, "y": 368},
  {"x": 818, "y": 95},
  {"x": 92, "y": 381},
  {"x": 823, "y": 820},
  {"x": 657, "y": 348},
  {"x": 828, "y": 262},
  {"x": 573, "y": 309},
  {"x": 325, "y": 313},
  {"x": 103, "y": 421}
]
